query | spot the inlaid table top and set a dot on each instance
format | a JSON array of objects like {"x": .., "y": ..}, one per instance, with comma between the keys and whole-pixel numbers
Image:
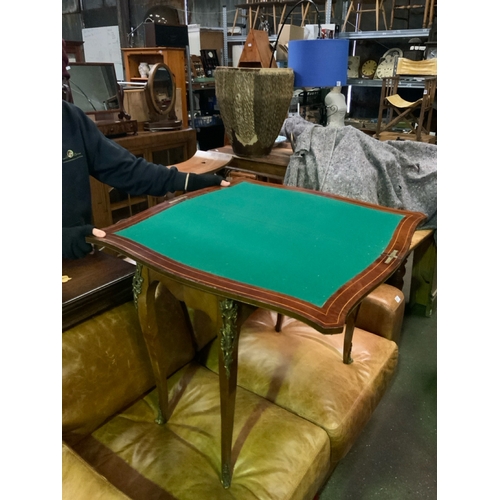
[{"x": 308, "y": 254}]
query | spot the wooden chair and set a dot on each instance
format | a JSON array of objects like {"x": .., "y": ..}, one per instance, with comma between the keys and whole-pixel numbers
[
  {"x": 418, "y": 113},
  {"x": 407, "y": 6},
  {"x": 247, "y": 13},
  {"x": 429, "y": 15},
  {"x": 274, "y": 12},
  {"x": 253, "y": 12},
  {"x": 358, "y": 7}
]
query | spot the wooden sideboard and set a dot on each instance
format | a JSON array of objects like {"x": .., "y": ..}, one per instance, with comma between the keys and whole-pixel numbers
[{"x": 109, "y": 205}]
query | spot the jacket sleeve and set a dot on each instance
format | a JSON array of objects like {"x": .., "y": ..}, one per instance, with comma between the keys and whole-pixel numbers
[
  {"x": 114, "y": 165},
  {"x": 117, "y": 167}
]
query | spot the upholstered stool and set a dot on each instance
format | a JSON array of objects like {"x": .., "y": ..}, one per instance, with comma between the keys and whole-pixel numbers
[{"x": 302, "y": 371}]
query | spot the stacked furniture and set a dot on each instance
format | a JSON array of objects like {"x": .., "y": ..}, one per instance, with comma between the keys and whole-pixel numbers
[
  {"x": 299, "y": 408},
  {"x": 254, "y": 13}
]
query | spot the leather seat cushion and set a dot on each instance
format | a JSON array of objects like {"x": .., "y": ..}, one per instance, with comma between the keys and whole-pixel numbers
[
  {"x": 82, "y": 482},
  {"x": 277, "y": 455},
  {"x": 106, "y": 366},
  {"x": 302, "y": 371}
]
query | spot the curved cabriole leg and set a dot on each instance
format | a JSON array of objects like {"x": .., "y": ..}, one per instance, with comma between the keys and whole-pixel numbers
[
  {"x": 349, "y": 330},
  {"x": 228, "y": 367},
  {"x": 231, "y": 316},
  {"x": 150, "y": 330}
]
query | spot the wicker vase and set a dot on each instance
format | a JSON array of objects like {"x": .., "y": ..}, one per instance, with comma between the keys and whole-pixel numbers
[{"x": 253, "y": 104}]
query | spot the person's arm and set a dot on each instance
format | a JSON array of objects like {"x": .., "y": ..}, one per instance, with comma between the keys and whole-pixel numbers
[
  {"x": 87, "y": 152},
  {"x": 114, "y": 165}
]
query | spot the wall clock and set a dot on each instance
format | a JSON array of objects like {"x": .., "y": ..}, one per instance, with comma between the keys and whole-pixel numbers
[
  {"x": 431, "y": 52},
  {"x": 210, "y": 61},
  {"x": 353, "y": 67},
  {"x": 387, "y": 64},
  {"x": 369, "y": 68}
]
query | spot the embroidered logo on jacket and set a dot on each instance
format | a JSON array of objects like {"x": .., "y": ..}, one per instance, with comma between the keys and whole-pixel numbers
[{"x": 71, "y": 155}]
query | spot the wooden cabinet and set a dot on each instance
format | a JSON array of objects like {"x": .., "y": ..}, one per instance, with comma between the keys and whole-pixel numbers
[
  {"x": 74, "y": 51},
  {"x": 109, "y": 205},
  {"x": 174, "y": 58}
]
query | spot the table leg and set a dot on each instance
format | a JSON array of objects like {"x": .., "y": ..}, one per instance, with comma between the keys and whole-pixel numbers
[
  {"x": 349, "y": 330},
  {"x": 173, "y": 318},
  {"x": 279, "y": 322},
  {"x": 228, "y": 366},
  {"x": 304, "y": 15},
  {"x": 231, "y": 316},
  {"x": 145, "y": 301}
]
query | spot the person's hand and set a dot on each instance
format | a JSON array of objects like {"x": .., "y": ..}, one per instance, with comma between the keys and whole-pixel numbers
[
  {"x": 74, "y": 245},
  {"x": 98, "y": 233},
  {"x": 200, "y": 181}
]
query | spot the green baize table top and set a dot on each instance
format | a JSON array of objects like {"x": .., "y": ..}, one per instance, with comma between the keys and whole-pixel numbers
[{"x": 292, "y": 242}]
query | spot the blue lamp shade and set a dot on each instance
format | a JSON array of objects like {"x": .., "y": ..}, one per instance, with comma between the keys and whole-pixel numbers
[{"x": 319, "y": 63}]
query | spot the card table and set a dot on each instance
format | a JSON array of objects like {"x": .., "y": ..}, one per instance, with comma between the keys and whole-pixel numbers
[{"x": 226, "y": 251}]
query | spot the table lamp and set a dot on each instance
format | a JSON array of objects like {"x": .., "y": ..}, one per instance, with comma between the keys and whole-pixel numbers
[{"x": 319, "y": 63}]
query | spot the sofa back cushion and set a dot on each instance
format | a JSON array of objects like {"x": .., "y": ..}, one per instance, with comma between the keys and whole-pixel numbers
[{"x": 106, "y": 366}]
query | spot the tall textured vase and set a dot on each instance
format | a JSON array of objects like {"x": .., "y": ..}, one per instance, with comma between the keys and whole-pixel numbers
[{"x": 253, "y": 105}]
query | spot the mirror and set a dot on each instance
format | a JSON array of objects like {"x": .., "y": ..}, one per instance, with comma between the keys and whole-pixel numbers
[
  {"x": 95, "y": 91},
  {"x": 160, "y": 98},
  {"x": 94, "y": 87}
]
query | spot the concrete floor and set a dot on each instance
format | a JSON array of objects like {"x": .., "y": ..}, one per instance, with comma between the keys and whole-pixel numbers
[{"x": 395, "y": 457}]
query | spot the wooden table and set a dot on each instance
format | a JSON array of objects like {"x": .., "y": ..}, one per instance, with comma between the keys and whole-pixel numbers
[
  {"x": 205, "y": 162},
  {"x": 313, "y": 256},
  {"x": 272, "y": 166}
]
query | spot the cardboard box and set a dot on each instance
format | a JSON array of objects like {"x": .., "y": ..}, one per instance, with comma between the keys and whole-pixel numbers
[
  {"x": 134, "y": 103},
  {"x": 212, "y": 39},
  {"x": 290, "y": 32},
  {"x": 206, "y": 38}
]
